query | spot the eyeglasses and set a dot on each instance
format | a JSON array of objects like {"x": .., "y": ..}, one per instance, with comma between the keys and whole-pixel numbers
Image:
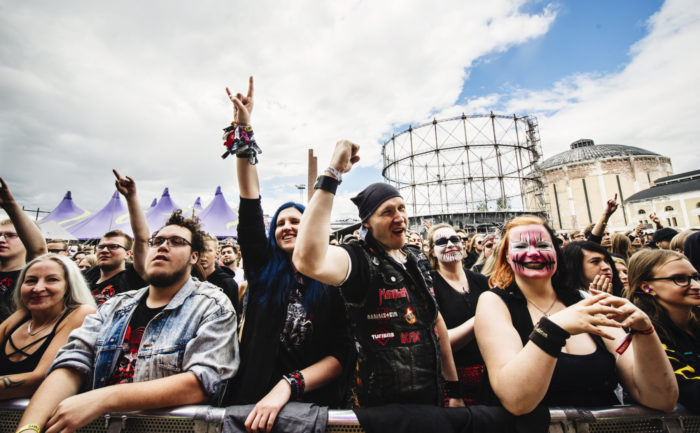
[
  {"x": 443, "y": 241},
  {"x": 488, "y": 246},
  {"x": 680, "y": 280},
  {"x": 173, "y": 241},
  {"x": 111, "y": 247},
  {"x": 9, "y": 235}
]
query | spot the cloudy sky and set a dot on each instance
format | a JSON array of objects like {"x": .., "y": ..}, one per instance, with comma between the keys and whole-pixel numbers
[{"x": 90, "y": 86}]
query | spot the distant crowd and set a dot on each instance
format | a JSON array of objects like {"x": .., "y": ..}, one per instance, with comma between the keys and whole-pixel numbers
[{"x": 520, "y": 318}]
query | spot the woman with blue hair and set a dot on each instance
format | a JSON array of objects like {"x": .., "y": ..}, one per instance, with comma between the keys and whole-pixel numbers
[{"x": 294, "y": 341}]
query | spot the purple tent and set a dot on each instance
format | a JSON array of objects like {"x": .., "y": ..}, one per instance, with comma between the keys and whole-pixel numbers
[
  {"x": 197, "y": 206},
  {"x": 218, "y": 218},
  {"x": 153, "y": 203},
  {"x": 112, "y": 216},
  {"x": 66, "y": 213},
  {"x": 158, "y": 215}
]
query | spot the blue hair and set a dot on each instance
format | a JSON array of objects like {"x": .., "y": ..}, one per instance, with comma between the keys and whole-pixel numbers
[{"x": 277, "y": 278}]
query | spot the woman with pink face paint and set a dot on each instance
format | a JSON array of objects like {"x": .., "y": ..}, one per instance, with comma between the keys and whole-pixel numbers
[{"x": 543, "y": 344}]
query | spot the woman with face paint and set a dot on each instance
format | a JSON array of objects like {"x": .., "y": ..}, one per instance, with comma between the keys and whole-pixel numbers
[
  {"x": 543, "y": 343},
  {"x": 667, "y": 286},
  {"x": 456, "y": 292}
]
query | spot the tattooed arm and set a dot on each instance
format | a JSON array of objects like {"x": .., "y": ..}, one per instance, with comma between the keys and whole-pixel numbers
[{"x": 24, "y": 384}]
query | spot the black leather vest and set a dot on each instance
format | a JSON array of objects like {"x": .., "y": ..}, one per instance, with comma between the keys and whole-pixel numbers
[{"x": 394, "y": 331}]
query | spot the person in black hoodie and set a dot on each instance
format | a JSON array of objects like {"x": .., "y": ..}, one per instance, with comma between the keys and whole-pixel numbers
[
  {"x": 294, "y": 339},
  {"x": 217, "y": 275}
]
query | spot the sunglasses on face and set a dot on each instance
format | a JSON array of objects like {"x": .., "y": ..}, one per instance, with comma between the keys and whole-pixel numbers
[
  {"x": 111, "y": 247},
  {"x": 443, "y": 241},
  {"x": 680, "y": 280}
]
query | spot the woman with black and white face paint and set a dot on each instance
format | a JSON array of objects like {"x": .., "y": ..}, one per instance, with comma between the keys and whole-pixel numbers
[{"x": 456, "y": 292}]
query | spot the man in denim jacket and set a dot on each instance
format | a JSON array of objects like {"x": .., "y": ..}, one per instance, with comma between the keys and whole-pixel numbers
[{"x": 171, "y": 343}]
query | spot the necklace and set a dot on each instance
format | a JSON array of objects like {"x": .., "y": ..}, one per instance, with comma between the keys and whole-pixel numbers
[
  {"x": 29, "y": 325},
  {"x": 546, "y": 313}
]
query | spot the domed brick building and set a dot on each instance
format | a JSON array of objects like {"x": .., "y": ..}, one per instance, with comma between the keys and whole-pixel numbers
[{"x": 579, "y": 181}]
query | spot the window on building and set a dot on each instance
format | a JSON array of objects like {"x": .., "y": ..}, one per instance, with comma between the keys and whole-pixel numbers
[
  {"x": 642, "y": 211},
  {"x": 668, "y": 208},
  {"x": 675, "y": 223},
  {"x": 668, "y": 220}
]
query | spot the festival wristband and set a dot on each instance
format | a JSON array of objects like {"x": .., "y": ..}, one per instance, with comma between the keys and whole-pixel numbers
[
  {"x": 34, "y": 427},
  {"x": 335, "y": 172},
  {"x": 239, "y": 140},
  {"x": 628, "y": 339},
  {"x": 327, "y": 183},
  {"x": 549, "y": 337}
]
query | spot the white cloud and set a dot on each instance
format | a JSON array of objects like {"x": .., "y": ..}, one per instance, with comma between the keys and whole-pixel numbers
[
  {"x": 87, "y": 87},
  {"x": 651, "y": 103}
]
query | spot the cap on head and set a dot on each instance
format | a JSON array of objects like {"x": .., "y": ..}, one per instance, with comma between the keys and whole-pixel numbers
[
  {"x": 370, "y": 198},
  {"x": 664, "y": 234}
]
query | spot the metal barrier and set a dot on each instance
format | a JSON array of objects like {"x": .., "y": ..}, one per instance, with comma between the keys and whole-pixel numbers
[{"x": 209, "y": 419}]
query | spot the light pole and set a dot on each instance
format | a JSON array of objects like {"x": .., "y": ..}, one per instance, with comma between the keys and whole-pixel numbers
[{"x": 301, "y": 187}]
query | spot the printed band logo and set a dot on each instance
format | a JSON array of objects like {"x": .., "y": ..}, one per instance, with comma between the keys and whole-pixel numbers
[
  {"x": 410, "y": 337},
  {"x": 382, "y": 337},
  {"x": 393, "y": 294},
  {"x": 382, "y": 314},
  {"x": 409, "y": 316}
]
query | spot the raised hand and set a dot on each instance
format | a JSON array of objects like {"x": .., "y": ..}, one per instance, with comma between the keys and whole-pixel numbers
[
  {"x": 6, "y": 196},
  {"x": 588, "y": 315},
  {"x": 125, "y": 185},
  {"x": 345, "y": 155},
  {"x": 602, "y": 284},
  {"x": 242, "y": 105},
  {"x": 611, "y": 206}
]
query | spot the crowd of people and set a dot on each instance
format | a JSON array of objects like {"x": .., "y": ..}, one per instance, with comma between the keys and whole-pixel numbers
[{"x": 521, "y": 317}]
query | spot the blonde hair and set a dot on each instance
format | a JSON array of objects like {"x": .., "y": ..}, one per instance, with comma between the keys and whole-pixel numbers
[
  {"x": 679, "y": 239},
  {"x": 77, "y": 292},
  {"x": 490, "y": 262},
  {"x": 620, "y": 245}
]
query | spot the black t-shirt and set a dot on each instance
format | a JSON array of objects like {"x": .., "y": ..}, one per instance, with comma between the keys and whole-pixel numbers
[
  {"x": 126, "y": 280},
  {"x": 7, "y": 286},
  {"x": 124, "y": 370},
  {"x": 456, "y": 308}
]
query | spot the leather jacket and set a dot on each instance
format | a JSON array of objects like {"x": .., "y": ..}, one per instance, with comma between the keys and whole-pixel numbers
[{"x": 394, "y": 328}]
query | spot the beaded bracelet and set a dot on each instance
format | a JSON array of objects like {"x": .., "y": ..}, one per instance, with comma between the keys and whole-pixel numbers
[
  {"x": 296, "y": 382},
  {"x": 549, "y": 337},
  {"x": 239, "y": 140}
]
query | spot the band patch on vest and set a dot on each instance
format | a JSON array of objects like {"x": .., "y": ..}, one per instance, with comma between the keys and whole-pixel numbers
[
  {"x": 382, "y": 315},
  {"x": 382, "y": 337},
  {"x": 392, "y": 294},
  {"x": 410, "y": 337}
]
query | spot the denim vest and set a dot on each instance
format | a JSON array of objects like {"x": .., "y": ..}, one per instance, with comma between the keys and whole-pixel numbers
[
  {"x": 195, "y": 332},
  {"x": 394, "y": 331}
]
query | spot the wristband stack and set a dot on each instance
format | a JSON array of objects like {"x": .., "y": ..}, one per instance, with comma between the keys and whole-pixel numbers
[
  {"x": 296, "y": 381},
  {"x": 549, "y": 337},
  {"x": 239, "y": 140},
  {"x": 628, "y": 339}
]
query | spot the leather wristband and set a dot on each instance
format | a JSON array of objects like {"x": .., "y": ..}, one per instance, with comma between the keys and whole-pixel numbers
[
  {"x": 549, "y": 337},
  {"x": 453, "y": 389},
  {"x": 327, "y": 183}
]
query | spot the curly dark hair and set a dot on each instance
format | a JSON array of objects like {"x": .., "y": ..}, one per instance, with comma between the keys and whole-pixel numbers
[{"x": 192, "y": 224}]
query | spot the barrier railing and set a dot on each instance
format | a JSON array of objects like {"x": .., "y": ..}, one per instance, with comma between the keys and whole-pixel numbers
[{"x": 209, "y": 419}]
